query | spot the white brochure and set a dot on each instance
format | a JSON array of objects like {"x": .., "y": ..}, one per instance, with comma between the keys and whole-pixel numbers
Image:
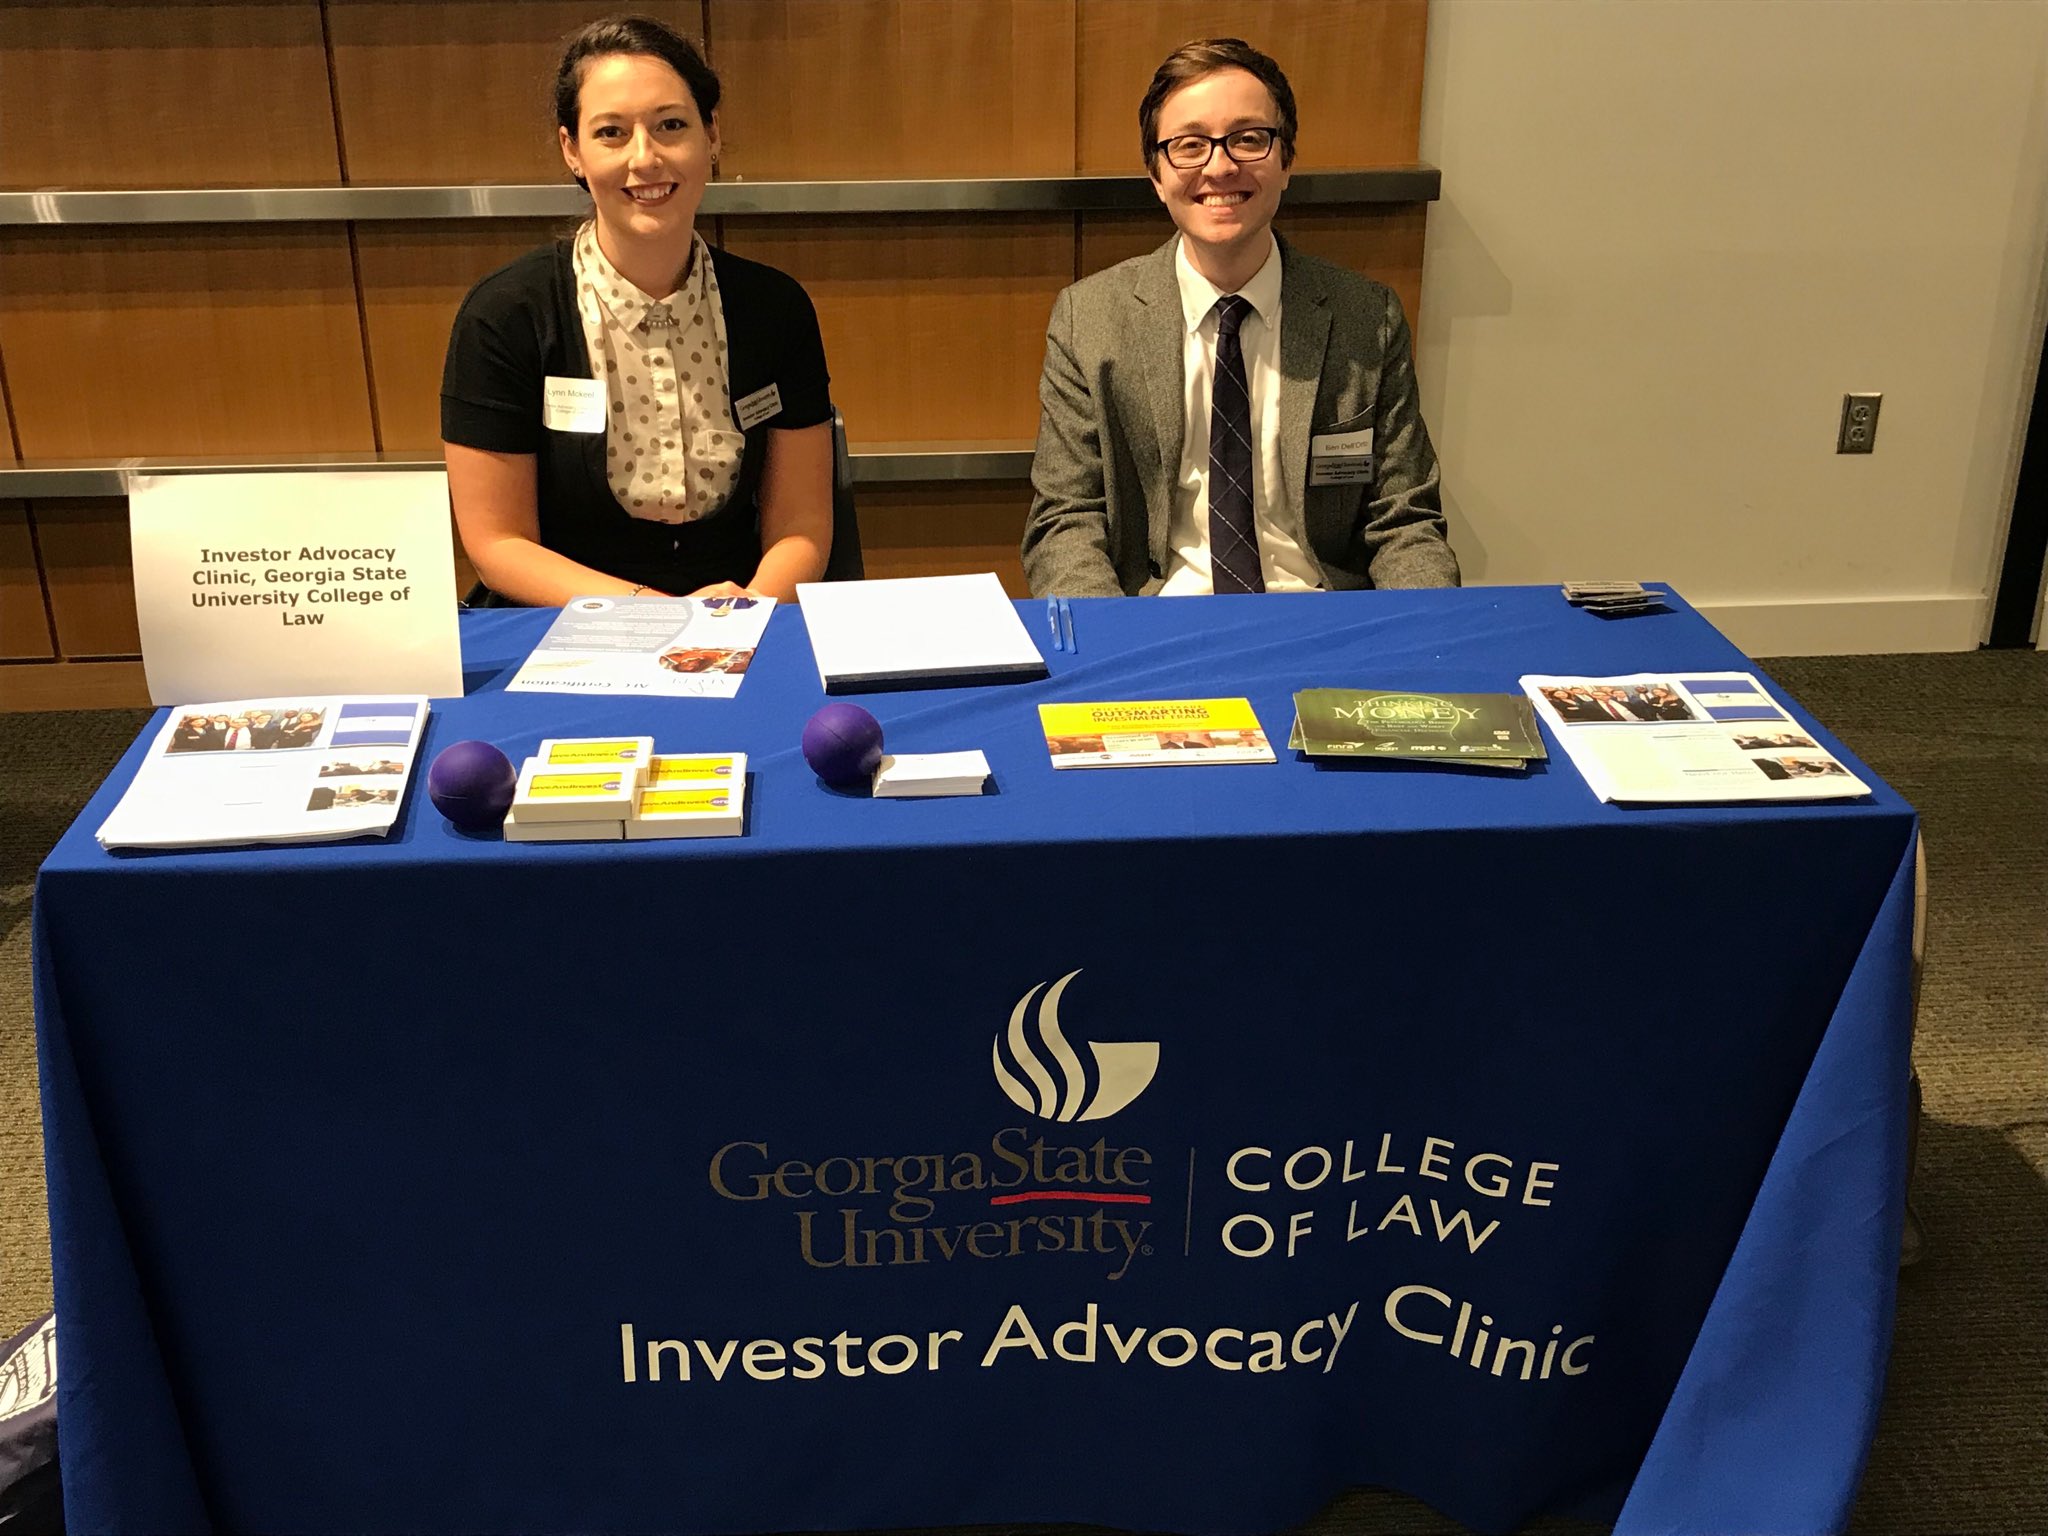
[
  {"x": 300, "y": 581},
  {"x": 664, "y": 647},
  {"x": 297, "y": 768},
  {"x": 1669, "y": 738}
]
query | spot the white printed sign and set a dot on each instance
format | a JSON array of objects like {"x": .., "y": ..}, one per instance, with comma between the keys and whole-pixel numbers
[{"x": 301, "y": 581}]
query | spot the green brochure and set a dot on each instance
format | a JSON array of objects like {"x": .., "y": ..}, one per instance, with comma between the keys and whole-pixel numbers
[{"x": 1496, "y": 730}]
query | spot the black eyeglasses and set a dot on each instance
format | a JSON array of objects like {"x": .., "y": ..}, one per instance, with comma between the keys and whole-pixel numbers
[{"x": 1191, "y": 151}]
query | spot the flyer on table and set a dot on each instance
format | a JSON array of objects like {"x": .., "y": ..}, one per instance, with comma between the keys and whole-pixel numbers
[
  {"x": 291, "y": 769},
  {"x": 672, "y": 647},
  {"x": 1153, "y": 733},
  {"x": 1403, "y": 723},
  {"x": 1687, "y": 737}
]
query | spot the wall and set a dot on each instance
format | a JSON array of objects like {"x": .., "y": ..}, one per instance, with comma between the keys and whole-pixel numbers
[{"x": 1672, "y": 236}]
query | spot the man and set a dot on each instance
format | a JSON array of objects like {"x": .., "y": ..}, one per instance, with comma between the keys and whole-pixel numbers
[
  {"x": 1614, "y": 705},
  {"x": 1229, "y": 414}
]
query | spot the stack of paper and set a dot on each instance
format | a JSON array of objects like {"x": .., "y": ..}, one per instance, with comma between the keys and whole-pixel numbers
[
  {"x": 571, "y": 804},
  {"x": 1492, "y": 730},
  {"x": 1612, "y": 599},
  {"x": 604, "y": 789},
  {"x": 916, "y": 630},
  {"x": 278, "y": 770},
  {"x": 700, "y": 795},
  {"x": 930, "y": 773}
]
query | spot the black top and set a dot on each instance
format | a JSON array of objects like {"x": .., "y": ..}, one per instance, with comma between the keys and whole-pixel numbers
[{"x": 520, "y": 325}]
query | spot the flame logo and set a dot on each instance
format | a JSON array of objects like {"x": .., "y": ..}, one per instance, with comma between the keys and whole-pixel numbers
[{"x": 1054, "y": 1082}]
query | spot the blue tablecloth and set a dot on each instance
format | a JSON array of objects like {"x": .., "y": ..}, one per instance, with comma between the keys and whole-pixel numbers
[{"x": 1447, "y": 1130}]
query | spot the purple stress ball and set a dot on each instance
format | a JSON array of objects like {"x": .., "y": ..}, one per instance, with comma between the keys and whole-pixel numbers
[
  {"x": 843, "y": 744},
  {"x": 471, "y": 783}
]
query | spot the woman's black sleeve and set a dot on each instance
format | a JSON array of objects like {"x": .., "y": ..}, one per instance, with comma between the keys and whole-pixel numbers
[
  {"x": 806, "y": 386},
  {"x": 492, "y": 382}
]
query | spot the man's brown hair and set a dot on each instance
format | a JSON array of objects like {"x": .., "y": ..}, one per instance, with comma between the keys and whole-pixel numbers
[{"x": 1194, "y": 61}]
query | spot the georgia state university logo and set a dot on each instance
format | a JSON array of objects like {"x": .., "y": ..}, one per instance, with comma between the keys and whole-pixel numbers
[{"x": 1046, "y": 1077}]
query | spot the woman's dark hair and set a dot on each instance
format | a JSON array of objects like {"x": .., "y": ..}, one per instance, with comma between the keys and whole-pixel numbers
[
  {"x": 639, "y": 35},
  {"x": 1198, "y": 60}
]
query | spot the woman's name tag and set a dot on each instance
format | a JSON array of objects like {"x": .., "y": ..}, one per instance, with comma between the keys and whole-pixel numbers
[
  {"x": 572, "y": 405},
  {"x": 758, "y": 407},
  {"x": 1340, "y": 458}
]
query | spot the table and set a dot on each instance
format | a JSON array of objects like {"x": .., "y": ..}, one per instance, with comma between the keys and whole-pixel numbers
[{"x": 443, "y": 1185}]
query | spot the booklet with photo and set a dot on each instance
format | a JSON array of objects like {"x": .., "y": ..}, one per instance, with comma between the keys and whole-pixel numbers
[
  {"x": 1671, "y": 738},
  {"x": 670, "y": 647},
  {"x": 279, "y": 770},
  {"x": 1154, "y": 733},
  {"x": 1496, "y": 730}
]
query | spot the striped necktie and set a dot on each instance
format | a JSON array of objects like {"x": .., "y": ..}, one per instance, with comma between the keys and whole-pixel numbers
[{"x": 1233, "y": 541}]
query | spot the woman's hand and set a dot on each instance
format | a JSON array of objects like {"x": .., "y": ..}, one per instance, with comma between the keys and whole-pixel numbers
[{"x": 724, "y": 589}]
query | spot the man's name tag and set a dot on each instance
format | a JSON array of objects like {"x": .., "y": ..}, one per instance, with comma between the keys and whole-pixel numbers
[
  {"x": 572, "y": 405},
  {"x": 1340, "y": 458},
  {"x": 758, "y": 407}
]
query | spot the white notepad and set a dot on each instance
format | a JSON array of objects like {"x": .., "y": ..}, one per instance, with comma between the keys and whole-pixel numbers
[{"x": 916, "y": 631}]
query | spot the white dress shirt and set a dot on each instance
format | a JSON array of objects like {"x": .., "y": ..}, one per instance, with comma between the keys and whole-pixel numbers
[{"x": 1286, "y": 565}]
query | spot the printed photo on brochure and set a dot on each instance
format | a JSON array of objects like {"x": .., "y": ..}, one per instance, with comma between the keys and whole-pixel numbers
[{"x": 671, "y": 647}]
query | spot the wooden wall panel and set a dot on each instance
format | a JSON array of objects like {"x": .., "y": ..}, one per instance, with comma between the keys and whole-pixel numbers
[
  {"x": 1108, "y": 238},
  {"x": 847, "y": 89},
  {"x": 164, "y": 93},
  {"x": 945, "y": 530},
  {"x": 1355, "y": 65},
  {"x": 934, "y": 327},
  {"x": 235, "y": 340},
  {"x": 74, "y": 685},
  {"x": 460, "y": 91},
  {"x": 1384, "y": 244},
  {"x": 414, "y": 277},
  {"x": 92, "y": 583},
  {"x": 24, "y": 626}
]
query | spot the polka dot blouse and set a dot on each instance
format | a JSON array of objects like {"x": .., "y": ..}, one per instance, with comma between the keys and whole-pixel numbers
[{"x": 672, "y": 454}]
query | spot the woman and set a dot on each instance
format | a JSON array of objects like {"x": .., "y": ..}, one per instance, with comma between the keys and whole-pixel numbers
[{"x": 628, "y": 411}]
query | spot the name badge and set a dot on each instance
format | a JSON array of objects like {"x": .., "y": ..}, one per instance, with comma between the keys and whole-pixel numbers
[
  {"x": 758, "y": 407},
  {"x": 572, "y": 405},
  {"x": 1340, "y": 458}
]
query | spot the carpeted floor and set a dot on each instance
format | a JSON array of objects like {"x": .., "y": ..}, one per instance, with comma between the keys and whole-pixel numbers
[{"x": 1963, "y": 1447}]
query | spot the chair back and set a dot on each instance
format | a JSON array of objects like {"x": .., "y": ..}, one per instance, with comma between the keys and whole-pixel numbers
[{"x": 844, "y": 563}]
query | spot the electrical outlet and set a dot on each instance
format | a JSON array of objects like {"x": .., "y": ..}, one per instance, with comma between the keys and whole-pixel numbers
[{"x": 1859, "y": 424}]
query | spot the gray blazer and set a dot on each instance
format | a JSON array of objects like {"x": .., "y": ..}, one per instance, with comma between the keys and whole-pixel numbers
[{"x": 1112, "y": 419}]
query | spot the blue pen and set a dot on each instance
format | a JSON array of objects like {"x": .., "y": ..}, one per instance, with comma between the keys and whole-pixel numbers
[
  {"x": 1052, "y": 617},
  {"x": 1067, "y": 613}
]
